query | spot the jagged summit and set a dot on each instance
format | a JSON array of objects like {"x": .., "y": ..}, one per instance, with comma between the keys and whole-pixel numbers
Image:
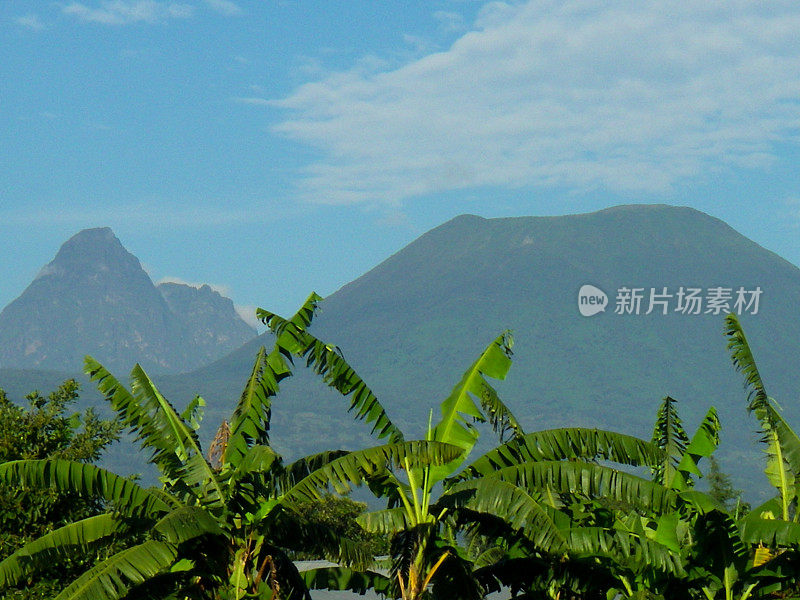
[
  {"x": 216, "y": 328},
  {"x": 95, "y": 298}
]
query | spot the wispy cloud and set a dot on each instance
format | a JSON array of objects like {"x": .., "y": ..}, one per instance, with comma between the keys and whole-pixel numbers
[
  {"x": 248, "y": 314},
  {"x": 122, "y": 12},
  {"x": 225, "y": 7},
  {"x": 624, "y": 96},
  {"x": 252, "y": 101},
  {"x": 31, "y": 21}
]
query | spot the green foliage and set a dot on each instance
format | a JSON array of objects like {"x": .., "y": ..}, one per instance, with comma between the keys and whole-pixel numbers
[
  {"x": 421, "y": 545},
  {"x": 679, "y": 463},
  {"x": 548, "y": 500},
  {"x": 328, "y": 362},
  {"x": 46, "y": 429},
  {"x": 549, "y": 514},
  {"x": 339, "y": 515},
  {"x": 782, "y": 444},
  {"x": 566, "y": 444},
  {"x": 671, "y": 438},
  {"x": 460, "y": 405},
  {"x": 224, "y": 530}
]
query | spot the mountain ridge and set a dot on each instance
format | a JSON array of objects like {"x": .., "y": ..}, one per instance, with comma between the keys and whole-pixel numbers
[
  {"x": 95, "y": 298},
  {"x": 411, "y": 325}
]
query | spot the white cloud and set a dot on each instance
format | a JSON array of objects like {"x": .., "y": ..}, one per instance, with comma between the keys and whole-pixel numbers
[
  {"x": 627, "y": 96},
  {"x": 124, "y": 12},
  {"x": 248, "y": 315},
  {"x": 225, "y": 7},
  {"x": 31, "y": 21}
]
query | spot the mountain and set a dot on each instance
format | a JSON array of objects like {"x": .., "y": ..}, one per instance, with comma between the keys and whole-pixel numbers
[
  {"x": 214, "y": 326},
  {"x": 414, "y": 323},
  {"x": 95, "y": 298}
]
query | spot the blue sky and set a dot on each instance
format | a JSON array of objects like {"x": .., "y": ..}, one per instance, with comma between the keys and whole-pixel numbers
[{"x": 275, "y": 147}]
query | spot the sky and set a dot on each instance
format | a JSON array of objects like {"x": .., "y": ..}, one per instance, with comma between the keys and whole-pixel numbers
[{"x": 271, "y": 148}]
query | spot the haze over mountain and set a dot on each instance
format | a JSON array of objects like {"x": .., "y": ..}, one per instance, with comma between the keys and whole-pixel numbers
[{"x": 95, "y": 298}]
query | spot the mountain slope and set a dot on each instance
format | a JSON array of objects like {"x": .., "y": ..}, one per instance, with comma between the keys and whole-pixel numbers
[
  {"x": 412, "y": 324},
  {"x": 95, "y": 298}
]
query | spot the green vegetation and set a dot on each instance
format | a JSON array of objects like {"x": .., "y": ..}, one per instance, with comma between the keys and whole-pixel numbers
[
  {"x": 339, "y": 515},
  {"x": 424, "y": 545},
  {"x": 220, "y": 526},
  {"x": 577, "y": 513},
  {"x": 45, "y": 429}
]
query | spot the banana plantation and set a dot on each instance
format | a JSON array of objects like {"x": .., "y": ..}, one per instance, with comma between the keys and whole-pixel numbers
[{"x": 571, "y": 513}]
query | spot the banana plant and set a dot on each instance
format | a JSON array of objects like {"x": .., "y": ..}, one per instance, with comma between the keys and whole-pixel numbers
[
  {"x": 423, "y": 541},
  {"x": 681, "y": 456},
  {"x": 678, "y": 468},
  {"x": 567, "y": 496},
  {"x": 782, "y": 445},
  {"x": 754, "y": 556},
  {"x": 534, "y": 481},
  {"x": 220, "y": 526},
  {"x": 722, "y": 566},
  {"x": 425, "y": 553},
  {"x": 770, "y": 533},
  {"x": 562, "y": 507}
]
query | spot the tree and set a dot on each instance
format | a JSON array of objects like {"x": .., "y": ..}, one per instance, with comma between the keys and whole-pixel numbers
[
  {"x": 421, "y": 544},
  {"x": 720, "y": 487},
  {"x": 770, "y": 533},
  {"x": 45, "y": 429},
  {"x": 782, "y": 444},
  {"x": 339, "y": 515},
  {"x": 559, "y": 521},
  {"x": 563, "y": 507},
  {"x": 220, "y": 527},
  {"x": 522, "y": 491}
]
